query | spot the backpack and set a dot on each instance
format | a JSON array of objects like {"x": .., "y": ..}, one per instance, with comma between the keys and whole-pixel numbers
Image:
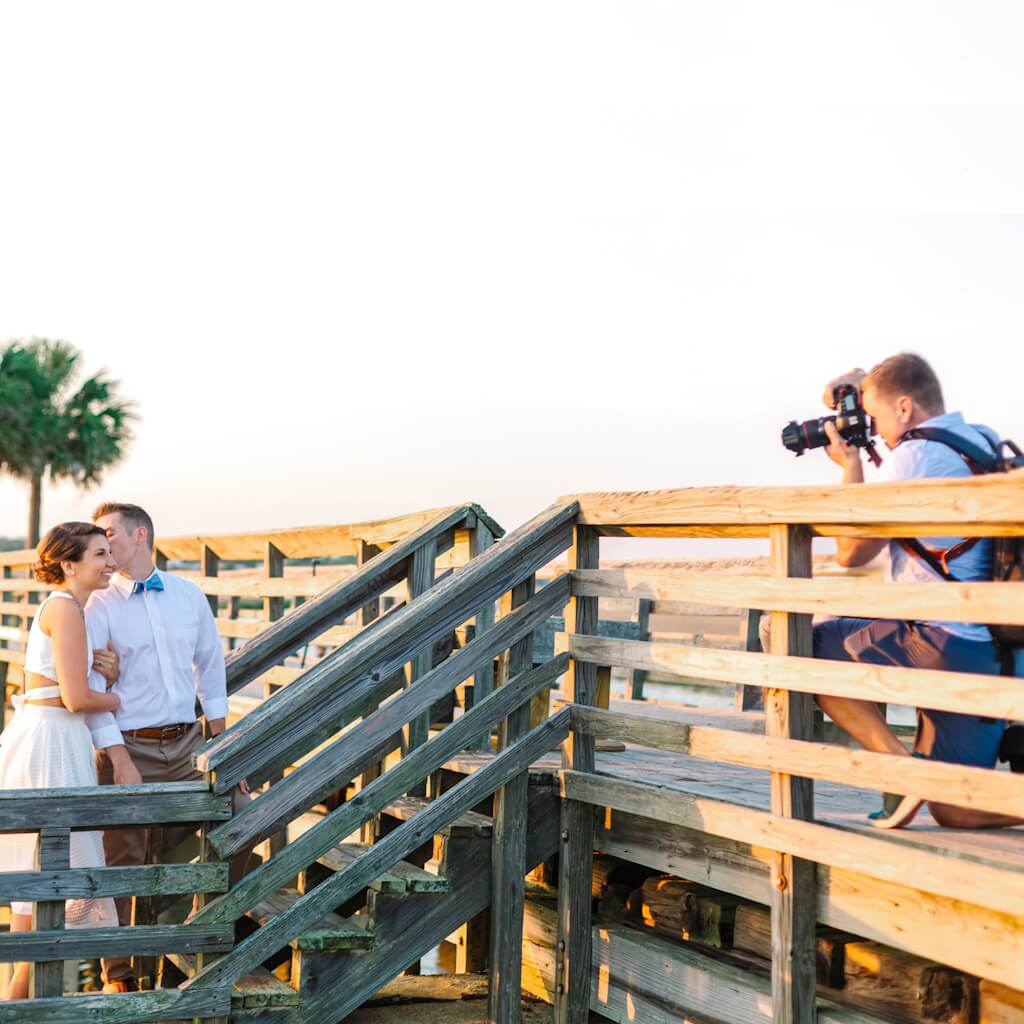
[{"x": 1007, "y": 552}]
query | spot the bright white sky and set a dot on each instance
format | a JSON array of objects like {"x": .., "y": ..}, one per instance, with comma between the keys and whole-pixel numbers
[{"x": 356, "y": 259}]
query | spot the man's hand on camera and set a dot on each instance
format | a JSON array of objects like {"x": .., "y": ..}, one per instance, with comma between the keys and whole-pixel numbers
[
  {"x": 853, "y": 377},
  {"x": 845, "y": 455}
]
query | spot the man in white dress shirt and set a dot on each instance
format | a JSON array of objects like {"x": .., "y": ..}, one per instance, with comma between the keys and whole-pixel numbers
[{"x": 170, "y": 653}]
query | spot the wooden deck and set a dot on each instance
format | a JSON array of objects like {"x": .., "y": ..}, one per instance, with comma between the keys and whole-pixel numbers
[{"x": 846, "y": 806}]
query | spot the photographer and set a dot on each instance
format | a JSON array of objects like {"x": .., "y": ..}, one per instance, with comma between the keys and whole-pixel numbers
[{"x": 902, "y": 393}]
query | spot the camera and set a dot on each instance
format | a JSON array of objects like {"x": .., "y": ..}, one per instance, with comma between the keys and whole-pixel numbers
[{"x": 852, "y": 422}]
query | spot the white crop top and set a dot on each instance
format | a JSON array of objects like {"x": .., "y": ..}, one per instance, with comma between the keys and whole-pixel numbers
[{"x": 39, "y": 649}]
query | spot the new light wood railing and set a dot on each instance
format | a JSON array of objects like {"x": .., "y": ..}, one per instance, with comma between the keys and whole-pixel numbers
[{"x": 968, "y": 913}]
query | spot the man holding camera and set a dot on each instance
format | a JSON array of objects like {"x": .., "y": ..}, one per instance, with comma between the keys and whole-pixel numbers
[{"x": 900, "y": 394}]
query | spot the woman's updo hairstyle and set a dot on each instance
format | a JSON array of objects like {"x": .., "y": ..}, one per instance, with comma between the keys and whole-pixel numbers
[{"x": 66, "y": 542}]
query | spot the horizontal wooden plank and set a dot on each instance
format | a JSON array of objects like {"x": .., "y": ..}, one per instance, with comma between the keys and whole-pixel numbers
[
  {"x": 140, "y": 940},
  {"x": 966, "y": 936},
  {"x": 127, "y": 1008},
  {"x": 997, "y": 499},
  {"x": 245, "y": 629},
  {"x": 996, "y": 696},
  {"x": 887, "y": 858},
  {"x": 144, "y": 880},
  {"x": 979, "y": 788},
  {"x": 110, "y": 806},
  {"x": 12, "y": 657},
  {"x": 867, "y": 598}
]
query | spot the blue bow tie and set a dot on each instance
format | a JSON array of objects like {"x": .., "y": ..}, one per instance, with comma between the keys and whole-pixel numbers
[{"x": 153, "y": 583}]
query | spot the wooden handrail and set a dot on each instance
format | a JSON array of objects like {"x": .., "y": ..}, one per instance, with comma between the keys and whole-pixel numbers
[
  {"x": 983, "y": 504},
  {"x": 311, "y": 619},
  {"x": 386, "y": 645},
  {"x": 92, "y": 807},
  {"x": 332, "y": 768},
  {"x": 295, "y": 542},
  {"x": 393, "y": 847}
]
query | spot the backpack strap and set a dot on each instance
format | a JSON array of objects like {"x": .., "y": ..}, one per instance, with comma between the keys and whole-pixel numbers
[{"x": 978, "y": 460}]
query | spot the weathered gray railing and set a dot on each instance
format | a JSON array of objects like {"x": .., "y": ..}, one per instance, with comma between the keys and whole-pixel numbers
[
  {"x": 55, "y": 814},
  {"x": 349, "y": 684}
]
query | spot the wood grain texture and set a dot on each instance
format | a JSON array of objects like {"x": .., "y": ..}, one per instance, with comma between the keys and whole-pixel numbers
[
  {"x": 85, "y": 883},
  {"x": 994, "y": 499},
  {"x": 996, "y": 696},
  {"x": 508, "y": 844},
  {"x": 128, "y": 1008},
  {"x": 386, "y": 645},
  {"x": 980, "y": 788},
  {"x": 53, "y": 853},
  {"x": 393, "y": 847},
  {"x": 95, "y": 942},
  {"x": 904, "y": 895},
  {"x": 858, "y": 597},
  {"x": 342, "y": 822}
]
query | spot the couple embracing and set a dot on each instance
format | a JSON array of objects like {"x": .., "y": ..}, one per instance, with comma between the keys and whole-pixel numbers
[{"x": 115, "y": 660}]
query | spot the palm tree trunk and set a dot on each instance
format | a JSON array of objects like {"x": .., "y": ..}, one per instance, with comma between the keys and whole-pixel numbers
[{"x": 35, "y": 508}]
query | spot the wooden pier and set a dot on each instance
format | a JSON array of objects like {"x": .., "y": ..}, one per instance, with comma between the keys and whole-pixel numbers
[{"x": 430, "y": 765}]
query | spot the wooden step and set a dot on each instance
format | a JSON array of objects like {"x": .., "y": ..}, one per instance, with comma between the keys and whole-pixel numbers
[
  {"x": 330, "y": 934},
  {"x": 258, "y": 989},
  {"x": 468, "y": 824},
  {"x": 401, "y": 877}
]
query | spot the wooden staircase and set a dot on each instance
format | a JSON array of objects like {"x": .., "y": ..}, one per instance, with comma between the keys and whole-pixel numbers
[{"x": 326, "y": 921}]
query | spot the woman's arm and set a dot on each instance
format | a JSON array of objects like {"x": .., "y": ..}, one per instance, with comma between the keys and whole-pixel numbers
[{"x": 66, "y": 627}]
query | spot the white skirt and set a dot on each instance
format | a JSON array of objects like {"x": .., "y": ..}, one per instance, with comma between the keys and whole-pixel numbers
[{"x": 48, "y": 748}]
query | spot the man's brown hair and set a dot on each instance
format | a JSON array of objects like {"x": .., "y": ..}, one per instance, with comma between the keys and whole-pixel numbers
[
  {"x": 134, "y": 514},
  {"x": 907, "y": 374}
]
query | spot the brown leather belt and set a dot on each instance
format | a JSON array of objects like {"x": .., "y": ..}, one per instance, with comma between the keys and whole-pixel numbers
[{"x": 159, "y": 732}]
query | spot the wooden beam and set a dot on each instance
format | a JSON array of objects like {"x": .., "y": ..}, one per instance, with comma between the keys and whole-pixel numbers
[
  {"x": 367, "y": 614},
  {"x": 273, "y": 568},
  {"x": 93, "y": 807},
  {"x": 979, "y": 788},
  {"x": 53, "y": 853},
  {"x": 791, "y": 716},
  {"x": 333, "y": 891},
  {"x": 420, "y": 579},
  {"x": 340, "y": 823},
  {"x": 84, "y": 883},
  {"x": 209, "y": 565},
  {"x": 93, "y": 942},
  {"x": 572, "y": 988},
  {"x": 128, "y": 1008},
  {"x": 480, "y": 540},
  {"x": 916, "y": 886},
  {"x": 444, "y": 607},
  {"x": 637, "y": 676},
  {"x": 508, "y": 844},
  {"x": 996, "y": 696},
  {"x": 993, "y": 499},
  {"x": 858, "y": 597}
]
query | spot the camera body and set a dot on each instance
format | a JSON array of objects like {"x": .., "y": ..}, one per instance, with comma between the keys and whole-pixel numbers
[{"x": 852, "y": 422}]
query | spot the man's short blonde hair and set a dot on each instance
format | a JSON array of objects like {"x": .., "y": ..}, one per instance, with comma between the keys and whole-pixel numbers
[{"x": 907, "y": 374}]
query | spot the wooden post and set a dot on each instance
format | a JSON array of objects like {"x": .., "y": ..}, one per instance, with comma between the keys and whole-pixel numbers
[
  {"x": 273, "y": 608},
  {"x": 209, "y": 565},
  {"x": 480, "y": 539},
  {"x": 751, "y": 698},
  {"x": 160, "y": 560},
  {"x": 573, "y": 950},
  {"x": 206, "y": 853},
  {"x": 791, "y": 715},
  {"x": 273, "y": 569},
  {"x": 508, "y": 847},
  {"x": 419, "y": 581},
  {"x": 638, "y": 676},
  {"x": 52, "y": 854},
  {"x": 371, "y": 610}
]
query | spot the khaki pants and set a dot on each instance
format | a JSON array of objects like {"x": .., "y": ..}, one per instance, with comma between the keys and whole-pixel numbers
[{"x": 157, "y": 761}]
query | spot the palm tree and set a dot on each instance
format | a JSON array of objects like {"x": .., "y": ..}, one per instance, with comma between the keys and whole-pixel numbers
[{"x": 49, "y": 423}]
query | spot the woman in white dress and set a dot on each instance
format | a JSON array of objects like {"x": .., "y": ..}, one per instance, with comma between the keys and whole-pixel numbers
[{"x": 47, "y": 743}]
